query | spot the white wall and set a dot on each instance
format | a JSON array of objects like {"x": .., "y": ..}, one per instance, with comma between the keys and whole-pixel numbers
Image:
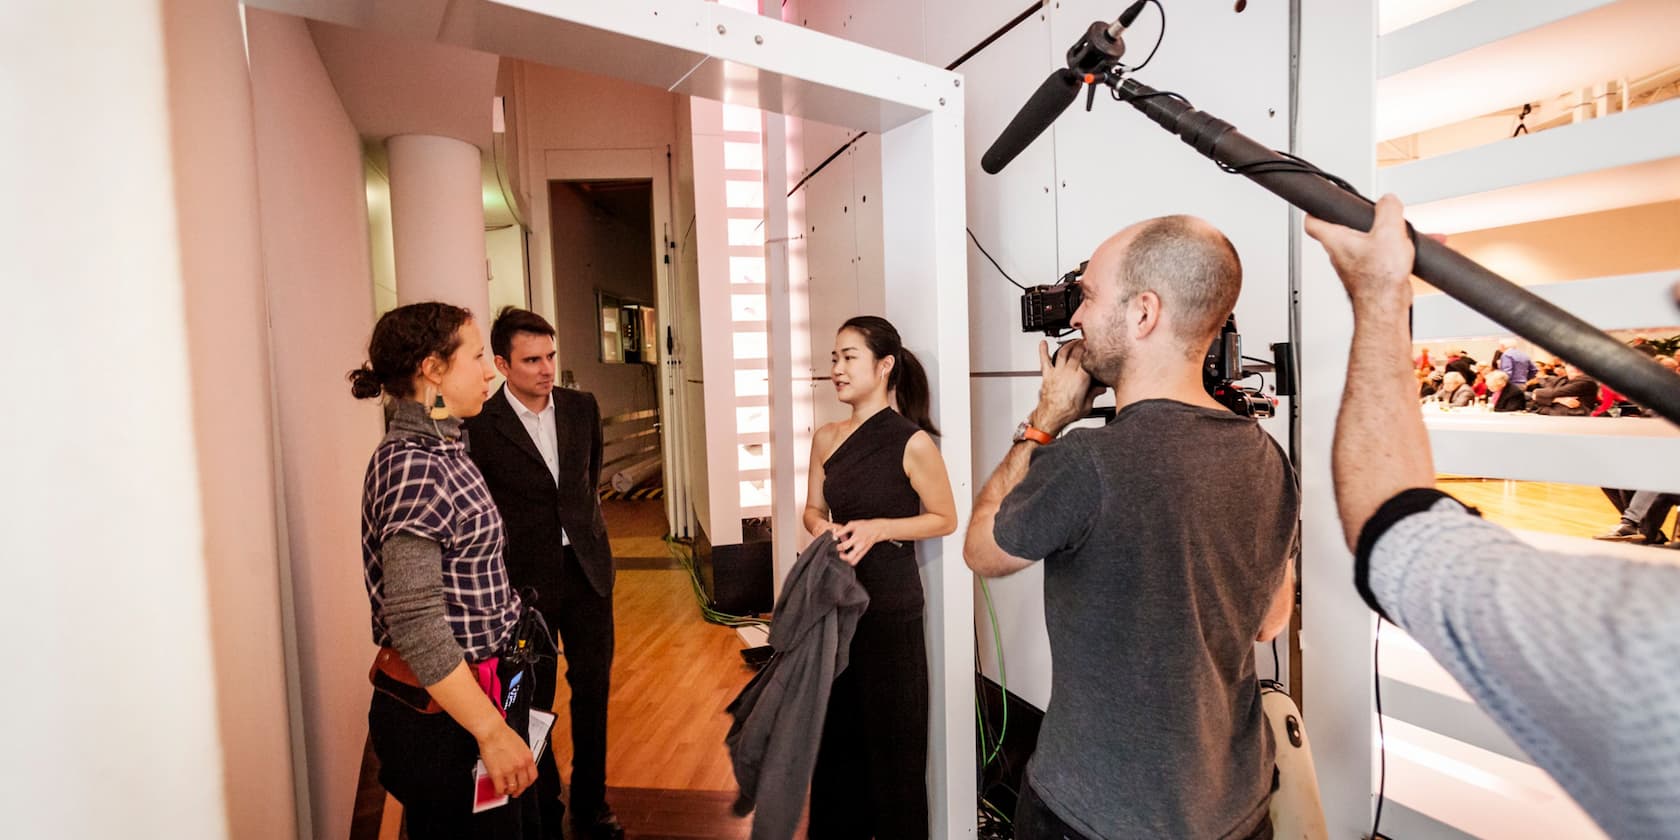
[
  {"x": 315, "y": 244},
  {"x": 227, "y": 331},
  {"x": 506, "y": 249},
  {"x": 1091, "y": 175},
  {"x": 565, "y": 110},
  {"x": 104, "y": 546}
]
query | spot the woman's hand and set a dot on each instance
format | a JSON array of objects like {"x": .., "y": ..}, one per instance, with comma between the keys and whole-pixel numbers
[
  {"x": 858, "y": 536},
  {"x": 829, "y": 526},
  {"x": 508, "y": 759}
]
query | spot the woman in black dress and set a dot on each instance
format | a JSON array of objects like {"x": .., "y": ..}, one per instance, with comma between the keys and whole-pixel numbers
[{"x": 879, "y": 484}]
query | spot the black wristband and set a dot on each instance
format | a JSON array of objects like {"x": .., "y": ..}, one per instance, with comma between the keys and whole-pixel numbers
[{"x": 1403, "y": 504}]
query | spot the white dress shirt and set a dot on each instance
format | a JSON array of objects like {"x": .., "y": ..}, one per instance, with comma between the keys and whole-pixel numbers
[{"x": 541, "y": 427}]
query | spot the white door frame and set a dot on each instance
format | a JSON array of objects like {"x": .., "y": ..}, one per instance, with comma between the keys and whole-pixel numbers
[
  {"x": 613, "y": 164},
  {"x": 704, "y": 49}
]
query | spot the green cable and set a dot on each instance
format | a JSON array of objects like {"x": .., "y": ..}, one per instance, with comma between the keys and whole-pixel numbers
[
  {"x": 995, "y": 812},
  {"x": 685, "y": 558},
  {"x": 1003, "y": 675}
]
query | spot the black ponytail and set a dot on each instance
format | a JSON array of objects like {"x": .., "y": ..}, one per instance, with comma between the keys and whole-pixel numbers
[{"x": 908, "y": 380}]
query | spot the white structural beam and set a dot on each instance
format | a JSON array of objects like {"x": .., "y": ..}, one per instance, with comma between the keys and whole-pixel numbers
[
  {"x": 701, "y": 49},
  {"x": 1621, "y": 160},
  {"x": 1632, "y": 452},
  {"x": 1336, "y": 100},
  {"x": 1469, "y": 26},
  {"x": 1625, "y": 302},
  {"x": 1514, "y": 55},
  {"x": 925, "y": 264}
]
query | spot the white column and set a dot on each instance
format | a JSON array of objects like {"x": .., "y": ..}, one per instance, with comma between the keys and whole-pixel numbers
[
  {"x": 926, "y": 271},
  {"x": 437, "y": 223},
  {"x": 1337, "y": 94}
]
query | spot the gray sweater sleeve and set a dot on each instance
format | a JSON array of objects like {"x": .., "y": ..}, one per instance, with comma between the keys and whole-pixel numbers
[
  {"x": 1572, "y": 656},
  {"x": 414, "y": 611}
]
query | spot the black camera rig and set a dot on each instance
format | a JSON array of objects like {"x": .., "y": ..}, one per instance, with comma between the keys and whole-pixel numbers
[{"x": 1049, "y": 309}]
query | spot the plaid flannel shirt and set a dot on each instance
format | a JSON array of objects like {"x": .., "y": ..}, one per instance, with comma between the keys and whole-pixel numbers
[{"x": 427, "y": 486}]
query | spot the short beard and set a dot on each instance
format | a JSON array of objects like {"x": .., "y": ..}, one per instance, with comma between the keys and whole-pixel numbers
[{"x": 1105, "y": 361}]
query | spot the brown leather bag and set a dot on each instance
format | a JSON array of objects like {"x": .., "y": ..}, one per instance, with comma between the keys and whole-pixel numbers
[{"x": 392, "y": 676}]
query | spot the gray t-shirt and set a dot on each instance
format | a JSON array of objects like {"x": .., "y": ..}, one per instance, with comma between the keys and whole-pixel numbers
[{"x": 1165, "y": 535}]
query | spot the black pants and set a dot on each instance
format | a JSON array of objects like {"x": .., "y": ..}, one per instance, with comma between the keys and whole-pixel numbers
[
  {"x": 426, "y": 762},
  {"x": 871, "y": 774},
  {"x": 583, "y": 620},
  {"x": 1035, "y": 821}
]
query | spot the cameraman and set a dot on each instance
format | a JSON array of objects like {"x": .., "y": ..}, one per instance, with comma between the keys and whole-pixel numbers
[
  {"x": 1574, "y": 657},
  {"x": 1166, "y": 538}
]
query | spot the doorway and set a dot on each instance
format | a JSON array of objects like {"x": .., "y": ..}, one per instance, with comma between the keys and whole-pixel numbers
[{"x": 605, "y": 291}]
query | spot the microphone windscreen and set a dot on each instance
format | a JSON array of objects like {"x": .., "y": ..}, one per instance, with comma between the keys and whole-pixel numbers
[{"x": 1046, "y": 104}]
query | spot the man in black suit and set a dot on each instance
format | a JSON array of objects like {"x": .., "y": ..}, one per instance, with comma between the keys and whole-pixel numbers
[
  {"x": 1572, "y": 395},
  {"x": 539, "y": 448}
]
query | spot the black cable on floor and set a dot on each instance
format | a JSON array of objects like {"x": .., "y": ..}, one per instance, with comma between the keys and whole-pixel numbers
[{"x": 1382, "y": 737}]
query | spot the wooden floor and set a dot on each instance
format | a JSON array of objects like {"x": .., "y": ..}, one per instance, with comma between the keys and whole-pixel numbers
[
  {"x": 673, "y": 675},
  {"x": 637, "y": 531},
  {"x": 668, "y": 774},
  {"x": 1568, "y": 509}
]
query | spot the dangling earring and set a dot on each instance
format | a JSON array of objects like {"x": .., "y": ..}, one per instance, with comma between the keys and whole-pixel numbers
[{"x": 439, "y": 410}]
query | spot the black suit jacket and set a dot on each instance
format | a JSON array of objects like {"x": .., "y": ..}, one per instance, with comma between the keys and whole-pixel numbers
[
  {"x": 533, "y": 508},
  {"x": 1511, "y": 398},
  {"x": 1583, "y": 389}
]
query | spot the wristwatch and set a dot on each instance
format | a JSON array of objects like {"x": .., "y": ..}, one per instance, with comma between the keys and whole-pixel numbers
[{"x": 1027, "y": 431}]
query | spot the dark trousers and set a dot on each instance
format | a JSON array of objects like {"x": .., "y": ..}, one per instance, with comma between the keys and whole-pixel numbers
[
  {"x": 583, "y": 620},
  {"x": 871, "y": 773},
  {"x": 426, "y": 762},
  {"x": 1035, "y": 821}
]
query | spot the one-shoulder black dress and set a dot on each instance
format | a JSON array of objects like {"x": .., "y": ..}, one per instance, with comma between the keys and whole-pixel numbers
[{"x": 871, "y": 773}]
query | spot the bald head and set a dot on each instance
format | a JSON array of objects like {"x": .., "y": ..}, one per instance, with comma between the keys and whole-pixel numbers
[{"x": 1190, "y": 265}]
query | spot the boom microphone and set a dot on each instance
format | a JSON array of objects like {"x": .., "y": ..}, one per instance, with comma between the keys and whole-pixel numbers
[
  {"x": 1047, "y": 103},
  {"x": 1089, "y": 60}
]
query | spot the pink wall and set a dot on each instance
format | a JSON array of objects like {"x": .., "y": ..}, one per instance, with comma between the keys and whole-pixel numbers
[
  {"x": 315, "y": 245},
  {"x": 557, "y": 109},
  {"x": 227, "y": 335}
]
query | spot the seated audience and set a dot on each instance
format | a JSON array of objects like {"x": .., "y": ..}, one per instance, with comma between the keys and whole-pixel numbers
[
  {"x": 1609, "y": 398},
  {"x": 1515, "y": 363},
  {"x": 1454, "y": 392},
  {"x": 1573, "y": 395},
  {"x": 1426, "y": 384},
  {"x": 1502, "y": 394},
  {"x": 1461, "y": 362}
]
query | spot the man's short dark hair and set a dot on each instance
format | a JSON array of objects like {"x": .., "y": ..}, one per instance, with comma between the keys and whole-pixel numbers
[
  {"x": 513, "y": 320},
  {"x": 1194, "y": 269}
]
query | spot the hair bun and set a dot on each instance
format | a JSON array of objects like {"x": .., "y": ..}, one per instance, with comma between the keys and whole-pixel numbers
[{"x": 364, "y": 384}]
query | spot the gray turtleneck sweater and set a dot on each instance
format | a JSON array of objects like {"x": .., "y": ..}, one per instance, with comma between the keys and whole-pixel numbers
[{"x": 413, "y": 567}]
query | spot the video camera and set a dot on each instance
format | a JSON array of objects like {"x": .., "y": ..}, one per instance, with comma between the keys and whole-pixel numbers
[{"x": 1049, "y": 309}]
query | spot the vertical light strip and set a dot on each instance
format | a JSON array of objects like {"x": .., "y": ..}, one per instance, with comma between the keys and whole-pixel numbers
[{"x": 743, "y": 174}]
